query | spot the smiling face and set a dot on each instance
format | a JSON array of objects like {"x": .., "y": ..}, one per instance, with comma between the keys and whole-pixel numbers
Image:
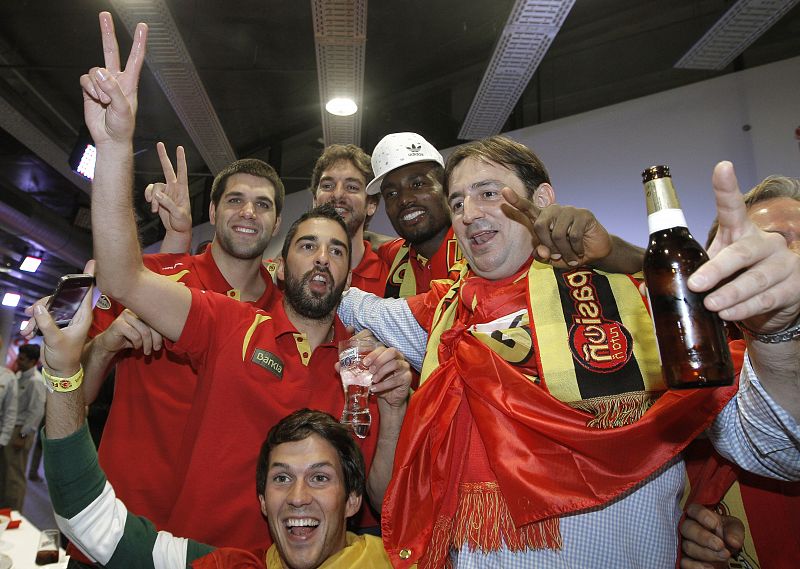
[
  {"x": 415, "y": 202},
  {"x": 344, "y": 186},
  {"x": 305, "y": 502},
  {"x": 779, "y": 215},
  {"x": 245, "y": 218},
  {"x": 316, "y": 268},
  {"x": 495, "y": 244}
]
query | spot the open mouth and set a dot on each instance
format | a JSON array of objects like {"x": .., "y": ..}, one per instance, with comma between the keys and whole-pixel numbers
[
  {"x": 482, "y": 237},
  {"x": 301, "y": 527},
  {"x": 412, "y": 216},
  {"x": 245, "y": 230},
  {"x": 319, "y": 282}
]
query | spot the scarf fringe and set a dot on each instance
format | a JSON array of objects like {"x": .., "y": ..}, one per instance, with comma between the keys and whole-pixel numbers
[
  {"x": 482, "y": 521},
  {"x": 617, "y": 410}
]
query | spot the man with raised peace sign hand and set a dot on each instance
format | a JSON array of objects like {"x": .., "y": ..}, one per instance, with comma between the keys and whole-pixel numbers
[{"x": 146, "y": 442}]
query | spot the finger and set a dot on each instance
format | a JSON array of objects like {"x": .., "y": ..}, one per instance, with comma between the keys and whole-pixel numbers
[
  {"x": 183, "y": 172},
  {"x": 45, "y": 322},
  {"x": 102, "y": 96},
  {"x": 524, "y": 205},
  {"x": 564, "y": 226},
  {"x": 133, "y": 67},
  {"x": 164, "y": 201},
  {"x": 166, "y": 164},
  {"x": 733, "y": 531},
  {"x": 148, "y": 196},
  {"x": 157, "y": 340},
  {"x": 87, "y": 85},
  {"x": 111, "y": 92},
  {"x": 702, "y": 554},
  {"x": 731, "y": 209},
  {"x": 707, "y": 519},
  {"x": 110, "y": 46}
]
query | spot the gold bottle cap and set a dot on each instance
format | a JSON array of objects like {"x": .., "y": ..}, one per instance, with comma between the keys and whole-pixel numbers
[{"x": 654, "y": 172}]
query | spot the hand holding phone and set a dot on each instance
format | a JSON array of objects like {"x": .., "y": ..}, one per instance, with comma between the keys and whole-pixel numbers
[{"x": 67, "y": 297}]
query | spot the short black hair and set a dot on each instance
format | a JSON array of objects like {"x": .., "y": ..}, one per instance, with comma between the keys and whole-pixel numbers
[
  {"x": 302, "y": 424},
  {"x": 510, "y": 154},
  {"x": 254, "y": 167},
  {"x": 324, "y": 211},
  {"x": 30, "y": 351}
]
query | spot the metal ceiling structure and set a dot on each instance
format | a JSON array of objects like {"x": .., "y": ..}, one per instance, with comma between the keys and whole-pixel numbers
[
  {"x": 340, "y": 38},
  {"x": 734, "y": 32},
  {"x": 250, "y": 79},
  {"x": 526, "y": 37}
]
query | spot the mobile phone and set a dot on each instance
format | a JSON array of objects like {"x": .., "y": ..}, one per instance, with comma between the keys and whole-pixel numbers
[{"x": 67, "y": 298}]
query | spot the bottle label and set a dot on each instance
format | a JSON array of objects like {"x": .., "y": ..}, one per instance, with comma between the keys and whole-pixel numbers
[{"x": 665, "y": 219}]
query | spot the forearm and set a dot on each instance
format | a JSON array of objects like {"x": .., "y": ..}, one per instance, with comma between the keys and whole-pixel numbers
[
  {"x": 116, "y": 243},
  {"x": 96, "y": 362},
  {"x": 381, "y": 470},
  {"x": 778, "y": 370},
  {"x": 389, "y": 319},
  {"x": 624, "y": 258},
  {"x": 176, "y": 242}
]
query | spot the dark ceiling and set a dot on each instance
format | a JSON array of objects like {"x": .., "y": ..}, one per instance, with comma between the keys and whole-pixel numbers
[{"x": 256, "y": 60}]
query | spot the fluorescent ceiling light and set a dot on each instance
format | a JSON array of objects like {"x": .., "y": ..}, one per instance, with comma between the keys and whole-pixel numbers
[
  {"x": 739, "y": 27},
  {"x": 30, "y": 264},
  {"x": 11, "y": 299},
  {"x": 341, "y": 107}
]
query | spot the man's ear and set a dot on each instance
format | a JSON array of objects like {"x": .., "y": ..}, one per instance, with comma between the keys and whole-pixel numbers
[
  {"x": 212, "y": 213},
  {"x": 372, "y": 205},
  {"x": 352, "y": 506},
  {"x": 348, "y": 282},
  {"x": 279, "y": 268},
  {"x": 263, "y": 503},
  {"x": 544, "y": 196},
  {"x": 277, "y": 226}
]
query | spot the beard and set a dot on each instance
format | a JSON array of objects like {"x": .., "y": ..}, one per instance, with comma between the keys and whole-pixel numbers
[
  {"x": 242, "y": 251},
  {"x": 309, "y": 304}
]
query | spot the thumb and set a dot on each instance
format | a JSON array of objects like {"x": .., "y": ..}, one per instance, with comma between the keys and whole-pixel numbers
[
  {"x": 733, "y": 532},
  {"x": 44, "y": 321},
  {"x": 164, "y": 201}
]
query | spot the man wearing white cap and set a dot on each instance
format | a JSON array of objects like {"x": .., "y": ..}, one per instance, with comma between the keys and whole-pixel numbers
[{"x": 409, "y": 174}]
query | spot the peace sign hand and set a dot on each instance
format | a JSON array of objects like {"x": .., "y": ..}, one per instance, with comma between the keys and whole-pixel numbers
[
  {"x": 109, "y": 93},
  {"x": 171, "y": 199}
]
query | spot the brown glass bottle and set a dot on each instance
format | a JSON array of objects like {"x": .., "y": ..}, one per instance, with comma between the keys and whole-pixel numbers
[{"x": 691, "y": 339}]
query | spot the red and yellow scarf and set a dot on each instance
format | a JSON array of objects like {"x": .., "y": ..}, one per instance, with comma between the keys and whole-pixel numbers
[{"x": 530, "y": 388}]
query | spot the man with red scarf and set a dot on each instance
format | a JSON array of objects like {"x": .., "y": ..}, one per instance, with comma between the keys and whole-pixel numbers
[{"x": 541, "y": 434}]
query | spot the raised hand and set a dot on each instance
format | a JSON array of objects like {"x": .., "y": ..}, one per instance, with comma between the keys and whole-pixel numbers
[
  {"x": 568, "y": 236},
  {"x": 171, "y": 199},
  {"x": 110, "y": 93},
  {"x": 757, "y": 272}
]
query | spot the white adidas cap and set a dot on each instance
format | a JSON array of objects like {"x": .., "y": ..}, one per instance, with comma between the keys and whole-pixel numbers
[{"x": 396, "y": 150}]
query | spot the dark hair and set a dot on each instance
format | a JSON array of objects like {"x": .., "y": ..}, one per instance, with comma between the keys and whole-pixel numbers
[
  {"x": 30, "y": 351},
  {"x": 302, "y": 424},
  {"x": 769, "y": 188},
  {"x": 324, "y": 211},
  {"x": 508, "y": 153},
  {"x": 341, "y": 153},
  {"x": 345, "y": 153},
  {"x": 254, "y": 167}
]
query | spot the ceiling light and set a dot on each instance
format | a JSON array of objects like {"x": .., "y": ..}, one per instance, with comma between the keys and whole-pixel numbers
[
  {"x": 11, "y": 299},
  {"x": 30, "y": 264},
  {"x": 740, "y": 26},
  {"x": 83, "y": 156},
  {"x": 341, "y": 107}
]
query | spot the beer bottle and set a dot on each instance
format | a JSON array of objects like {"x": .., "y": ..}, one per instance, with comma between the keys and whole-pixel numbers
[{"x": 691, "y": 339}]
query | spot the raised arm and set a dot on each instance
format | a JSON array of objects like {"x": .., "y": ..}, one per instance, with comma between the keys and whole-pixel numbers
[
  {"x": 760, "y": 275},
  {"x": 110, "y": 102}
]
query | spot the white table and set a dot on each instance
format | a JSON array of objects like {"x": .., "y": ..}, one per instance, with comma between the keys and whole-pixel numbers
[{"x": 21, "y": 544}]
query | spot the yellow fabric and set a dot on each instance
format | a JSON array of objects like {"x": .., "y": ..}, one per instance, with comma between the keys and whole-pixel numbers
[
  {"x": 256, "y": 321},
  {"x": 361, "y": 551},
  {"x": 409, "y": 285}
]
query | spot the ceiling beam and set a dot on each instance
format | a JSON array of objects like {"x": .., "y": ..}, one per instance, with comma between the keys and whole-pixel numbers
[
  {"x": 340, "y": 37},
  {"x": 172, "y": 66},
  {"x": 523, "y": 42}
]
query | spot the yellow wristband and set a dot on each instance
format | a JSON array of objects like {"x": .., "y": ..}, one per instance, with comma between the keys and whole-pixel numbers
[{"x": 62, "y": 384}]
